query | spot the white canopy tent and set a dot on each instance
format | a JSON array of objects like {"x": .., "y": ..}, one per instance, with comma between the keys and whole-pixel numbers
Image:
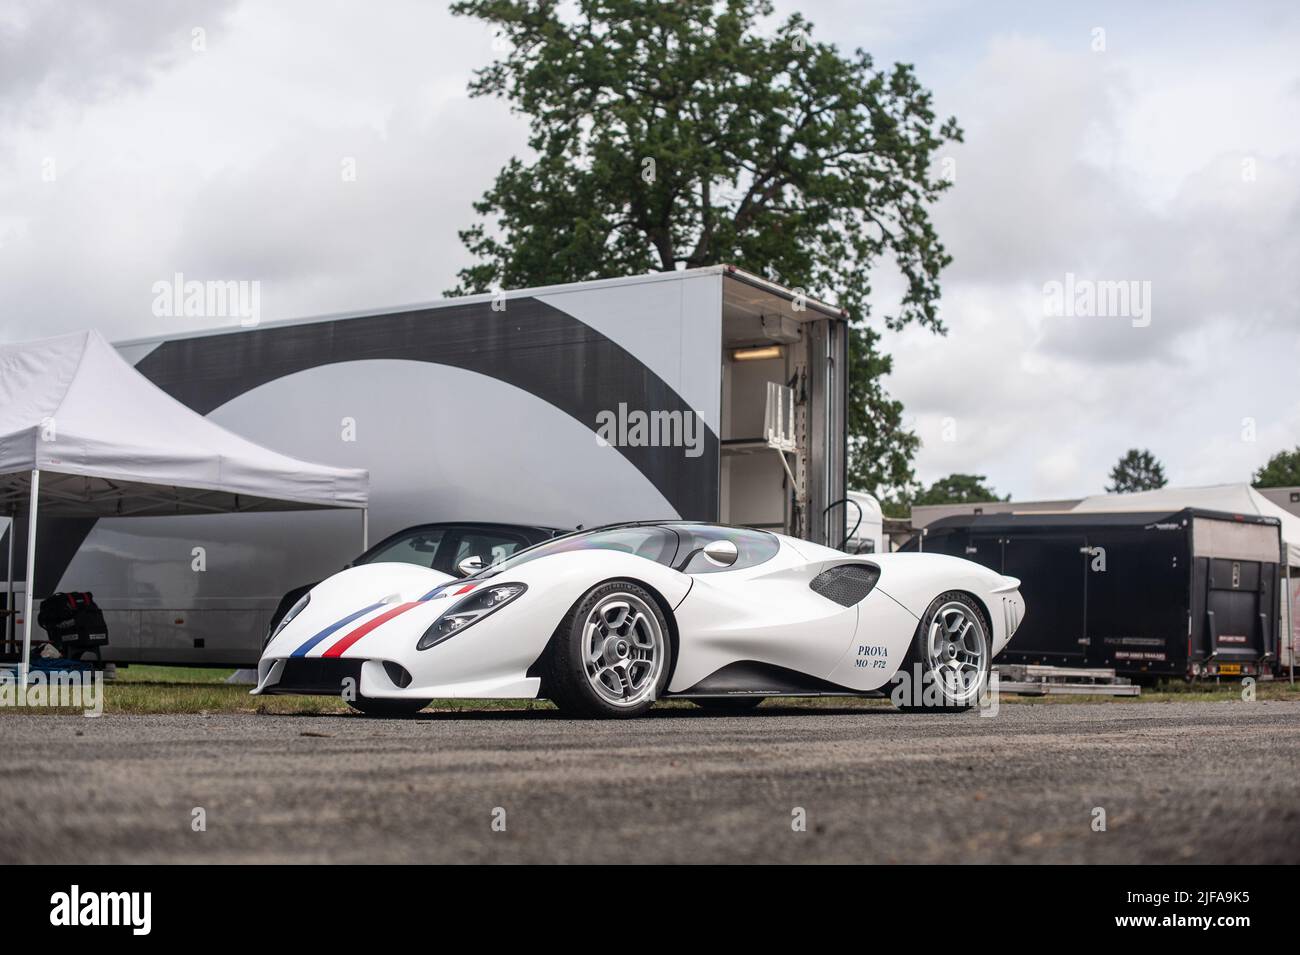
[
  {"x": 82, "y": 433},
  {"x": 1231, "y": 498}
]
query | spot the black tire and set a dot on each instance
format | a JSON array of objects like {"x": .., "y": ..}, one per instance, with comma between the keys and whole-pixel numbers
[
  {"x": 387, "y": 709},
  {"x": 903, "y": 685},
  {"x": 565, "y": 675},
  {"x": 729, "y": 704}
]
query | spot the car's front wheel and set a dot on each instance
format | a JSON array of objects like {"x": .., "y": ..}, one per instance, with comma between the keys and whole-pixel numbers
[
  {"x": 947, "y": 666},
  {"x": 611, "y": 654}
]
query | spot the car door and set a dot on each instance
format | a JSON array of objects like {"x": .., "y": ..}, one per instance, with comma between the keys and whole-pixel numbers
[{"x": 756, "y": 619}]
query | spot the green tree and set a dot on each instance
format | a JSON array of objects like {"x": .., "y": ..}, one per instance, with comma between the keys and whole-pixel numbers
[
  {"x": 958, "y": 489},
  {"x": 669, "y": 135},
  {"x": 1137, "y": 470},
  {"x": 1282, "y": 470}
]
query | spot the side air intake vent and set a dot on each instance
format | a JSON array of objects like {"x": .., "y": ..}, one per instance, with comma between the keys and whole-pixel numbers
[
  {"x": 846, "y": 584},
  {"x": 400, "y": 676}
]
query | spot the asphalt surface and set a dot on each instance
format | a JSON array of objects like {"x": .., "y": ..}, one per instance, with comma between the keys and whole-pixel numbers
[{"x": 1195, "y": 782}]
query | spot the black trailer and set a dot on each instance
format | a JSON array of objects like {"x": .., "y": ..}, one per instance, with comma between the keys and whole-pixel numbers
[{"x": 1184, "y": 594}]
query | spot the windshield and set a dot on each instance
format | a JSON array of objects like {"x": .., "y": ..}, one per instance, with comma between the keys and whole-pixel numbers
[
  {"x": 652, "y": 542},
  {"x": 753, "y": 547},
  {"x": 417, "y": 548}
]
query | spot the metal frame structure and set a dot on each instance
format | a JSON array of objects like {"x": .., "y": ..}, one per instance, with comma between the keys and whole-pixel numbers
[{"x": 33, "y": 515}]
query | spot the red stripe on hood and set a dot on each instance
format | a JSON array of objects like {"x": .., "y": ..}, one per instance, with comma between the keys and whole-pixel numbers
[{"x": 337, "y": 649}]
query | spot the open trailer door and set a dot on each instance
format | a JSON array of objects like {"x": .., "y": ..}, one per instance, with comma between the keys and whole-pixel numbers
[{"x": 784, "y": 363}]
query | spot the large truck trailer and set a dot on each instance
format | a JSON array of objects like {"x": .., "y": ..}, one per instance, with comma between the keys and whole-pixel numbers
[
  {"x": 1187, "y": 594},
  {"x": 705, "y": 394}
]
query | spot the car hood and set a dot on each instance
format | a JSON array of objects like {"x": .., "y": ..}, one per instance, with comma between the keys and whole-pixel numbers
[{"x": 354, "y": 589}]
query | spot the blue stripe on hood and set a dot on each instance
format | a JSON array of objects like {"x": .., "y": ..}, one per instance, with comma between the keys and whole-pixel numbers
[{"x": 332, "y": 628}]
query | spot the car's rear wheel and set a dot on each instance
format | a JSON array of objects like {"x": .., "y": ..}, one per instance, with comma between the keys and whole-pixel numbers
[
  {"x": 947, "y": 666},
  {"x": 387, "y": 709},
  {"x": 729, "y": 704},
  {"x": 611, "y": 654}
]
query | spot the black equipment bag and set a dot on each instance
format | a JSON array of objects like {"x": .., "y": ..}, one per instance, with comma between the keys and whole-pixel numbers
[{"x": 73, "y": 622}]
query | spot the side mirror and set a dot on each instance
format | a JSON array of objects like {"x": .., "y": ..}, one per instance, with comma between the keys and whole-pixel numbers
[
  {"x": 721, "y": 553},
  {"x": 470, "y": 565}
]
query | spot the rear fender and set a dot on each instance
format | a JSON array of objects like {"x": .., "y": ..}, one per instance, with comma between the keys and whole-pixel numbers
[{"x": 915, "y": 579}]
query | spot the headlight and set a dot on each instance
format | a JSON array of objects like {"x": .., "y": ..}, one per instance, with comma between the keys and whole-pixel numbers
[
  {"x": 467, "y": 612},
  {"x": 296, "y": 609}
]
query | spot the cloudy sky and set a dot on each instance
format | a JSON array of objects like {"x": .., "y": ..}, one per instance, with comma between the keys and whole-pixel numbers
[{"x": 1158, "y": 145}]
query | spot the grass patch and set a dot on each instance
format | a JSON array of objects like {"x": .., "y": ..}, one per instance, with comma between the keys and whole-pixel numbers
[
  {"x": 143, "y": 673},
  {"x": 155, "y": 689},
  {"x": 152, "y": 689},
  {"x": 1180, "y": 692}
]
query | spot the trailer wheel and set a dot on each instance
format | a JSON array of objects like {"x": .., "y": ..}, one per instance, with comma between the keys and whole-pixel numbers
[{"x": 948, "y": 663}]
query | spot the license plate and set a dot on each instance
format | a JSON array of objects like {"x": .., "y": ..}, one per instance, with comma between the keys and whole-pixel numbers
[{"x": 1230, "y": 669}]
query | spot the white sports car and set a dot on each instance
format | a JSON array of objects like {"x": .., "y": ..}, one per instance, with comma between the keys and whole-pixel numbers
[{"x": 605, "y": 621}]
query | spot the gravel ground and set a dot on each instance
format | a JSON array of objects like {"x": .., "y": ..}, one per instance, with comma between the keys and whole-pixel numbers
[{"x": 1179, "y": 782}]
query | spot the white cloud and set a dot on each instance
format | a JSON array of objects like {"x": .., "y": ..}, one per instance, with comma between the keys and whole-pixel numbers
[
  {"x": 227, "y": 164},
  {"x": 1123, "y": 165},
  {"x": 1056, "y": 176}
]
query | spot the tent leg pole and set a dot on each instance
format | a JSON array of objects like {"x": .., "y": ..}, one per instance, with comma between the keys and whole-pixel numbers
[
  {"x": 10, "y": 616},
  {"x": 1290, "y": 624},
  {"x": 31, "y": 577},
  {"x": 365, "y": 529}
]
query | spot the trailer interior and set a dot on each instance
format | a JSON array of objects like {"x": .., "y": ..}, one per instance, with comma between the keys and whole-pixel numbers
[{"x": 784, "y": 396}]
